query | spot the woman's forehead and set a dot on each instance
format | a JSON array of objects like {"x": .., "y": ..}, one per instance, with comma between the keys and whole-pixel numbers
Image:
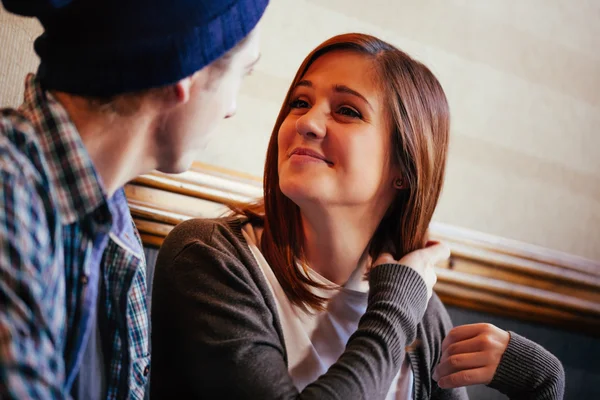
[{"x": 344, "y": 67}]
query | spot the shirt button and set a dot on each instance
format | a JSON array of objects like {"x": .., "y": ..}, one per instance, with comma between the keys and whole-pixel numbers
[
  {"x": 100, "y": 216},
  {"x": 84, "y": 279},
  {"x": 146, "y": 370}
]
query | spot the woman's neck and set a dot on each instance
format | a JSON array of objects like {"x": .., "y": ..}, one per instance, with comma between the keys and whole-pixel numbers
[{"x": 336, "y": 241}]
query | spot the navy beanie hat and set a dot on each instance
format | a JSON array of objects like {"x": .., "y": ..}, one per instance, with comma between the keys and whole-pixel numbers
[{"x": 108, "y": 47}]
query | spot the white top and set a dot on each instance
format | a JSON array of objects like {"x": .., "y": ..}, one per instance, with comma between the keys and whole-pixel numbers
[{"x": 314, "y": 341}]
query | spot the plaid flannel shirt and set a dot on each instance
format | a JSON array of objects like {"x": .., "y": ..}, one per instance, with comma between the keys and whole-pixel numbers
[{"x": 54, "y": 213}]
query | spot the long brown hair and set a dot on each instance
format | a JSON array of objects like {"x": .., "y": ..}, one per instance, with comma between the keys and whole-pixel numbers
[{"x": 419, "y": 118}]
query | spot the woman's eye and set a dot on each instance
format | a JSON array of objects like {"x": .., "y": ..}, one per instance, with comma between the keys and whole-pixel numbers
[
  {"x": 349, "y": 112},
  {"x": 298, "y": 104}
]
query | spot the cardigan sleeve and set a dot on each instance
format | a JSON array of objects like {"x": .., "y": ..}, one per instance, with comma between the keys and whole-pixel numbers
[
  {"x": 528, "y": 371},
  {"x": 218, "y": 334}
]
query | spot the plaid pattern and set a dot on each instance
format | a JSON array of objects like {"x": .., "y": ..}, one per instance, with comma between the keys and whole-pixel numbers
[{"x": 55, "y": 214}]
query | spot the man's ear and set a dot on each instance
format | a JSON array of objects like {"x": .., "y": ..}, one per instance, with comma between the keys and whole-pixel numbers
[{"x": 182, "y": 89}]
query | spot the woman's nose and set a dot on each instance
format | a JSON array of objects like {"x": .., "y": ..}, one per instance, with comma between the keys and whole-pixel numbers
[{"x": 312, "y": 125}]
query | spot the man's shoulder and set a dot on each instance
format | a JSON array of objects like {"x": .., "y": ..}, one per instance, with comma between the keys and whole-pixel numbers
[
  {"x": 25, "y": 191},
  {"x": 21, "y": 158},
  {"x": 29, "y": 224}
]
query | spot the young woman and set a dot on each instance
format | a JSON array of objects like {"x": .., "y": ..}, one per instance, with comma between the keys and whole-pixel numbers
[{"x": 324, "y": 289}]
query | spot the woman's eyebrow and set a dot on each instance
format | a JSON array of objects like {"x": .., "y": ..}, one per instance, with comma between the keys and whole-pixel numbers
[
  {"x": 346, "y": 89},
  {"x": 337, "y": 88}
]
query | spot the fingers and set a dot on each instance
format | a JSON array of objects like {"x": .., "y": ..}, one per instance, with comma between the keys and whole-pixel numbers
[
  {"x": 436, "y": 252},
  {"x": 430, "y": 278},
  {"x": 464, "y": 332},
  {"x": 384, "y": 258},
  {"x": 473, "y": 345},
  {"x": 433, "y": 253},
  {"x": 465, "y": 378},
  {"x": 422, "y": 260},
  {"x": 470, "y": 355},
  {"x": 461, "y": 362}
]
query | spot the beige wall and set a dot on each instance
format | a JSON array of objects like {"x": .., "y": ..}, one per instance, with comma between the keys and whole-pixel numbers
[
  {"x": 522, "y": 78},
  {"x": 16, "y": 55}
]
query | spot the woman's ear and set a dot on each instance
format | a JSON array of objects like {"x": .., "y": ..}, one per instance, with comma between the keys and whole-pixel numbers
[{"x": 400, "y": 183}]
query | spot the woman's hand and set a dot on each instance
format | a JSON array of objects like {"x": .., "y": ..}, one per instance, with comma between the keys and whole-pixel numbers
[
  {"x": 423, "y": 261},
  {"x": 470, "y": 355}
]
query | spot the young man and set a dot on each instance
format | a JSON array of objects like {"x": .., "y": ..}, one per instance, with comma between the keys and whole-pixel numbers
[{"x": 123, "y": 87}]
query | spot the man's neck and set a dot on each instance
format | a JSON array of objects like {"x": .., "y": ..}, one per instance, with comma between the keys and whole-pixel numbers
[{"x": 118, "y": 146}]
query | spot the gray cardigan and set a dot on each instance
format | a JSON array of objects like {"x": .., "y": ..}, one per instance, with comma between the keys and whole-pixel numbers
[{"x": 216, "y": 331}]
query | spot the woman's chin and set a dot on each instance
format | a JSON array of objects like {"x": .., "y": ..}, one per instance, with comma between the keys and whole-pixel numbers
[{"x": 303, "y": 191}]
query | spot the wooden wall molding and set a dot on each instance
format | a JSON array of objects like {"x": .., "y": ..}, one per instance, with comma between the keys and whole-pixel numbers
[{"x": 485, "y": 273}]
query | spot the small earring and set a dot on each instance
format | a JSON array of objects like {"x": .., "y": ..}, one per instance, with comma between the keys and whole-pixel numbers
[{"x": 399, "y": 183}]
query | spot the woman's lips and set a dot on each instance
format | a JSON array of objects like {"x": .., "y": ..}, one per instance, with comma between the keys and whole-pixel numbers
[{"x": 307, "y": 155}]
